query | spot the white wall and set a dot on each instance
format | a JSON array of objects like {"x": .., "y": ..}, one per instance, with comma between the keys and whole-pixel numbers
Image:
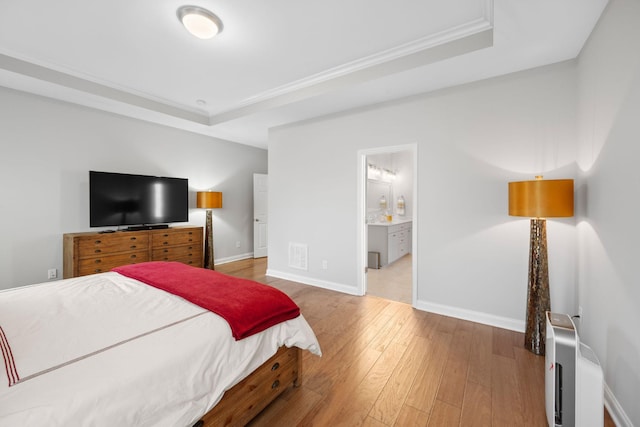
[
  {"x": 47, "y": 149},
  {"x": 472, "y": 140},
  {"x": 609, "y": 128}
]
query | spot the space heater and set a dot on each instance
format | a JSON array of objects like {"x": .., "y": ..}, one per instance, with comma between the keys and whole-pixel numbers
[{"x": 573, "y": 377}]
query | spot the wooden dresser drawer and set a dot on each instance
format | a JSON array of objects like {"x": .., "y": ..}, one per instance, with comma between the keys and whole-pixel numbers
[
  {"x": 161, "y": 239},
  {"x": 195, "y": 261},
  {"x": 105, "y": 263},
  {"x": 91, "y": 246},
  {"x": 172, "y": 253}
]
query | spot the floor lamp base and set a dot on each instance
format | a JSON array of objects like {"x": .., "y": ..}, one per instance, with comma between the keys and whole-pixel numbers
[
  {"x": 538, "y": 299},
  {"x": 208, "y": 242}
]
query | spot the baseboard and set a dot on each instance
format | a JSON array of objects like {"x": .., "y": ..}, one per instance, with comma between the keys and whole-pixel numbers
[
  {"x": 332, "y": 286},
  {"x": 219, "y": 261},
  {"x": 459, "y": 313},
  {"x": 618, "y": 415},
  {"x": 474, "y": 316}
]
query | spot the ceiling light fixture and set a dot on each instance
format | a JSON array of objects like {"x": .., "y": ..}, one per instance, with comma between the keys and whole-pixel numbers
[{"x": 199, "y": 21}]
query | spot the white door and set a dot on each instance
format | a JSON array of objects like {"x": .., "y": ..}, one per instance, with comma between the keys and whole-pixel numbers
[{"x": 260, "y": 191}]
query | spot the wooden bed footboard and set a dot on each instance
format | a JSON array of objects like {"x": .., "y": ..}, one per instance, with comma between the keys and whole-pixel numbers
[{"x": 245, "y": 400}]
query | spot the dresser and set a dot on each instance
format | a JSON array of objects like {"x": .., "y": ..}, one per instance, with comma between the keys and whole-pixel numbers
[{"x": 92, "y": 252}]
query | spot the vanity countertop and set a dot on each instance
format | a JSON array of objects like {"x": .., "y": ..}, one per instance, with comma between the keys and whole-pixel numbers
[{"x": 395, "y": 221}]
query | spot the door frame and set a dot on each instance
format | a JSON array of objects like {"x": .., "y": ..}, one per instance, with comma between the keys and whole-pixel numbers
[{"x": 362, "y": 228}]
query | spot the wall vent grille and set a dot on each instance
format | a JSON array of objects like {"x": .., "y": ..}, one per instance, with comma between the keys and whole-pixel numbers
[{"x": 298, "y": 256}]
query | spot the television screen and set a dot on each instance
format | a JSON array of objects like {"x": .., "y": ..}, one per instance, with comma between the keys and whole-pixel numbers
[{"x": 124, "y": 199}]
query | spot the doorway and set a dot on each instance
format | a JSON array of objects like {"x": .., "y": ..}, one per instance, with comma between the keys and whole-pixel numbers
[
  {"x": 260, "y": 214},
  {"x": 387, "y": 208}
]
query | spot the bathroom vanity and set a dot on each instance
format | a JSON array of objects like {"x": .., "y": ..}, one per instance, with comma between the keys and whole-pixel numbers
[{"x": 391, "y": 239}]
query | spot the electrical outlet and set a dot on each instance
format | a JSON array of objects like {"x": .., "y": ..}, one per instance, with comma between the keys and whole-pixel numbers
[
  {"x": 52, "y": 273},
  {"x": 238, "y": 244},
  {"x": 325, "y": 264}
]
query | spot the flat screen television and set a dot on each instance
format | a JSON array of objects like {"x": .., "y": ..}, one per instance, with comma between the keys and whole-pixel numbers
[{"x": 117, "y": 199}]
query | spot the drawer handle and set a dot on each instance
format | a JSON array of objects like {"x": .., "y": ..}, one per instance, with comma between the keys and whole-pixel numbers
[
  {"x": 190, "y": 233},
  {"x": 275, "y": 366},
  {"x": 133, "y": 247},
  {"x": 190, "y": 247},
  {"x": 98, "y": 270},
  {"x": 98, "y": 251},
  {"x": 191, "y": 240},
  {"x": 166, "y": 250},
  {"x": 165, "y": 243},
  {"x": 98, "y": 261},
  {"x": 134, "y": 256},
  {"x": 98, "y": 242},
  {"x": 165, "y": 235},
  {"x": 275, "y": 384},
  {"x": 166, "y": 258},
  {"x": 134, "y": 238}
]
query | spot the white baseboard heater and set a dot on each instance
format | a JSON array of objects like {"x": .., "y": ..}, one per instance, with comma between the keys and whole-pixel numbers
[{"x": 573, "y": 378}]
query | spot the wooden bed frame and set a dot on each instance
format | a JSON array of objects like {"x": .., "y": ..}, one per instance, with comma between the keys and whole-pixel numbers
[{"x": 245, "y": 400}]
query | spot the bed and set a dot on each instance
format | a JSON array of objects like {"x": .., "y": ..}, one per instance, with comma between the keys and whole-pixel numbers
[{"x": 109, "y": 349}]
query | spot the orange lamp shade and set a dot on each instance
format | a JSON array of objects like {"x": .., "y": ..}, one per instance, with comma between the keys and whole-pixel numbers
[
  {"x": 541, "y": 198},
  {"x": 209, "y": 199}
]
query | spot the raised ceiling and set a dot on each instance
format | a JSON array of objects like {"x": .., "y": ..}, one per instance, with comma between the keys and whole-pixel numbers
[{"x": 276, "y": 62}]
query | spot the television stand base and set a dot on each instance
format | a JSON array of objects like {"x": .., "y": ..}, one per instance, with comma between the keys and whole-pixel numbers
[{"x": 147, "y": 227}]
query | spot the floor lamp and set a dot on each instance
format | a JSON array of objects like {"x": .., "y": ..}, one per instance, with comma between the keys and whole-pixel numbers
[
  {"x": 209, "y": 200},
  {"x": 538, "y": 200}
]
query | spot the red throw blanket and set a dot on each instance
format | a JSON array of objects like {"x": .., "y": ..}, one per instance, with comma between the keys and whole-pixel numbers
[{"x": 249, "y": 307}]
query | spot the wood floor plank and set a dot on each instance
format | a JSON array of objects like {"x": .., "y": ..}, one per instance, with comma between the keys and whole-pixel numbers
[
  {"x": 289, "y": 412},
  {"x": 480, "y": 355},
  {"x": 530, "y": 377},
  {"x": 447, "y": 324},
  {"x": 476, "y": 406},
  {"x": 452, "y": 387},
  {"x": 506, "y": 400},
  {"x": 503, "y": 343},
  {"x": 412, "y": 417},
  {"x": 391, "y": 400},
  {"x": 372, "y": 422},
  {"x": 444, "y": 415},
  {"x": 346, "y": 349},
  {"x": 354, "y": 411},
  {"x": 343, "y": 388},
  {"x": 400, "y": 316},
  {"x": 425, "y": 386}
]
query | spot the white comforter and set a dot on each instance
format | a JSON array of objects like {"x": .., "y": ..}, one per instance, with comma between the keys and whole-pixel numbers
[{"x": 107, "y": 350}]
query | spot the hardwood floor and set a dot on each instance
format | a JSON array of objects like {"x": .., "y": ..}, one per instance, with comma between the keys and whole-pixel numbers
[{"x": 387, "y": 364}]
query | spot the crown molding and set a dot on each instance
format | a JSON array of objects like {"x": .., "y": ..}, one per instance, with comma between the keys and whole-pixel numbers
[{"x": 415, "y": 46}]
